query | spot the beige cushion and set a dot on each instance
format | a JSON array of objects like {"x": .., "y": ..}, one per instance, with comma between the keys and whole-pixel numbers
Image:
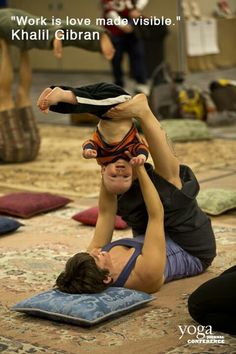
[{"x": 216, "y": 201}]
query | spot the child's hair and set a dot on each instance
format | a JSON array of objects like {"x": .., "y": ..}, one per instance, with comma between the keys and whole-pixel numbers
[{"x": 81, "y": 275}]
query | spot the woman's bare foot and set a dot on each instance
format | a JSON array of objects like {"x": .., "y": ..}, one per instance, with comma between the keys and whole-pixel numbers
[
  {"x": 107, "y": 47},
  {"x": 137, "y": 107}
]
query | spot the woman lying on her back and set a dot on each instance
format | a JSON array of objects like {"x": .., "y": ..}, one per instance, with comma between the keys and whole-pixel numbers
[
  {"x": 188, "y": 247},
  {"x": 95, "y": 271}
]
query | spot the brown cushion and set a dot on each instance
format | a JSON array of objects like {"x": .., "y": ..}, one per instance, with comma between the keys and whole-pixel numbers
[
  {"x": 27, "y": 204},
  {"x": 89, "y": 217}
]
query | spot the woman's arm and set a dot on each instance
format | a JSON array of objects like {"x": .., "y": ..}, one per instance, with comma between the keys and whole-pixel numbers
[
  {"x": 107, "y": 206},
  {"x": 150, "y": 265}
]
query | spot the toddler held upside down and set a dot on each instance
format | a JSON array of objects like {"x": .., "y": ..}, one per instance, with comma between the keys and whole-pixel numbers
[{"x": 115, "y": 143}]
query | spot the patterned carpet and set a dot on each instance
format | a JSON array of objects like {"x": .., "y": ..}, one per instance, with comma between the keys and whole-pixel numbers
[
  {"x": 60, "y": 167},
  {"x": 30, "y": 261},
  {"x": 32, "y": 257}
]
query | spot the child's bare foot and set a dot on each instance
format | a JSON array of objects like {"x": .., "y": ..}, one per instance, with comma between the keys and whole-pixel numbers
[
  {"x": 42, "y": 97},
  {"x": 134, "y": 108},
  {"x": 52, "y": 98},
  {"x": 107, "y": 47}
]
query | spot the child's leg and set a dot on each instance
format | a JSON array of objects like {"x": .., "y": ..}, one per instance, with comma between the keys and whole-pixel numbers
[
  {"x": 25, "y": 79},
  {"x": 6, "y": 78},
  {"x": 95, "y": 99},
  {"x": 51, "y": 97}
]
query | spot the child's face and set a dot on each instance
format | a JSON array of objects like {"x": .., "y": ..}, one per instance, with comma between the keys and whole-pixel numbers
[{"x": 117, "y": 176}]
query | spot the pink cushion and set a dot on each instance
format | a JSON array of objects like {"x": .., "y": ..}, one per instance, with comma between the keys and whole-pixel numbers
[
  {"x": 89, "y": 217},
  {"x": 27, "y": 204}
]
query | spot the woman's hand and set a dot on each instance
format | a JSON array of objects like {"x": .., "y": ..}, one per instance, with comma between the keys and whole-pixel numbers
[{"x": 136, "y": 160}]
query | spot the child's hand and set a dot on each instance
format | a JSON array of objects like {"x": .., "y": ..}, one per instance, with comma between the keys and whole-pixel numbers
[
  {"x": 89, "y": 153},
  {"x": 138, "y": 160}
]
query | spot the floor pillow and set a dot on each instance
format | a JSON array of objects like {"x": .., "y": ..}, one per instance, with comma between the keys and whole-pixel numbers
[
  {"x": 27, "y": 204},
  {"x": 8, "y": 225},
  {"x": 186, "y": 129},
  {"x": 83, "y": 309},
  {"x": 216, "y": 201},
  {"x": 89, "y": 217}
]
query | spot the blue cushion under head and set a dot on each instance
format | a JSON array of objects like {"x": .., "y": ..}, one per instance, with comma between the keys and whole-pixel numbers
[
  {"x": 83, "y": 309},
  {"x": 8, "y": 225}
]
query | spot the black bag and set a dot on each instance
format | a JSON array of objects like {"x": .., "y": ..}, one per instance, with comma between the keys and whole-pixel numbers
[
  {"x": 163, "y": 93},
  {"x": 223, "y": 93}
]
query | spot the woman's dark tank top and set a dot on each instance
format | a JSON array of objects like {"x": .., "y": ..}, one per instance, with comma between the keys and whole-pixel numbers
[
  {"x": 137, "y": 244},
  {"x": 179, "y": 263}
]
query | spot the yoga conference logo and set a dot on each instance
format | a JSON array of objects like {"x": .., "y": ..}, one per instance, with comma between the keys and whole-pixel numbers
[{"x": 200, "y": 334}]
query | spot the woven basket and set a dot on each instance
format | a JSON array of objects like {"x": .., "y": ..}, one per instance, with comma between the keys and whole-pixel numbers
[{"x": 19, "y": 135}]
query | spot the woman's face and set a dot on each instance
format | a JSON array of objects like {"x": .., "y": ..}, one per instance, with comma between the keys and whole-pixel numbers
[
  {"x": 102, "y": 259},
  {"x": 117, "y": 176}
]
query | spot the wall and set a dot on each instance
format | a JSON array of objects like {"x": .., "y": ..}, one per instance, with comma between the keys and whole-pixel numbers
[
  {"x": 75, "y": 58},
  {"x": 72, "y": 57},
  {"x": 207, "y": 6}
]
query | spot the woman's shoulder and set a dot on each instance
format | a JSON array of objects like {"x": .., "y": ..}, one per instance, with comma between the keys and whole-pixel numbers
[{"x": 143, "y": 280}]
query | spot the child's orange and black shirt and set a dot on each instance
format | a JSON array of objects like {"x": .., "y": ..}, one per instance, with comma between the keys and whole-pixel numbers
[{"x": 108, "y": 153}]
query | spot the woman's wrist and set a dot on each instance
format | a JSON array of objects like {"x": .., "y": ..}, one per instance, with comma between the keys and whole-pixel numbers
[{"x": 140, "y": 170}]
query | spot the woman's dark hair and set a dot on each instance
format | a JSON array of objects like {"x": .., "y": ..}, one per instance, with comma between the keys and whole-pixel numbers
[{"x": 82, "y": 275}]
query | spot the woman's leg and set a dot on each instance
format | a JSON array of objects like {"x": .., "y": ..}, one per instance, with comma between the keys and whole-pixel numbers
[
  {"x": 179, "y": 263},
  {"x": 213, "y": 303},
  {"x": 162, "y": 152},
  {"x": 6, "y": 78}
]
